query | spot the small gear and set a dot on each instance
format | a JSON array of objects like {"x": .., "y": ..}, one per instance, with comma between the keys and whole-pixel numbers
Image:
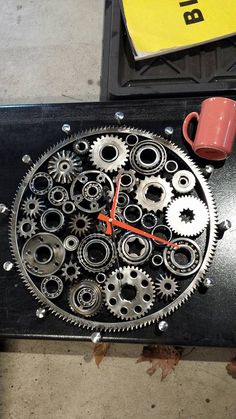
[
  {"x": 70, "y": 271},
  {"x": 154, "y": 193},
  {"x": 80, "y": 224},
  {"x": 81, "y": 146},
  {"x": 129, "y": 293},
  {"x": 167, "y": 287},
  {"x": 109, "y": 153},
  {"x": 26, "y": 227},
  {"x": 85, "y": 298},
  {"x": 187, "y": 216},
  {"x": 64, "y": 166},
  {"x": 32, "y": 206}
]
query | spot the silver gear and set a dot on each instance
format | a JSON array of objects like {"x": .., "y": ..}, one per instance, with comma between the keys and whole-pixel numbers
[
  {"x": 64, "y": 166},
  {"x": 183, "y": 260},
  {"x": 80, "y": 224},
  {"x": 167, "y": 287},
  {"x": 85, "y": 298},
  {"x": 81, "y": 147},
  {"x": 128, "y": 180},
  {"x": 33, "y": 206},
  {"x": 26, "y": 227},
  {"x": 158, "y": 313},
  {"x": 187, "y": 216},
  {"x": 58, "y": 195},
  {"x": 70, "y": 271},
  {"x": 134, "y": 249},
  {"x": 96, "y": 253},
  {"x": 183, "y": 181},
  {"x": 109, "y": 153},
  {"x": 147, "y": 189},
  {"x": 88, "y": 191},
  {"x": 148, "y": 157},
  {"x": 43, "y": 254},
  {"x": 129, "y": 293}
]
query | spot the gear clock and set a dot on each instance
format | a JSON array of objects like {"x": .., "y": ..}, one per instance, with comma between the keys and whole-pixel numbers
[{"x": 113, "y": 229}]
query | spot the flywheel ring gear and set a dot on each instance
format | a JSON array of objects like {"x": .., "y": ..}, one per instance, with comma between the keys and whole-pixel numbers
[{"x": 149, "y": 318}]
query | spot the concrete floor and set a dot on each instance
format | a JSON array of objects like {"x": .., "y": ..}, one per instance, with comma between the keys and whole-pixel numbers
[{"x": 51, "y": 51}]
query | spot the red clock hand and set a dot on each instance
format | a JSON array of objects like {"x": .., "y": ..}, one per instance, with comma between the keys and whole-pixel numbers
[
  {"x": 124, "y": 226},
  {"x": 114, "y": 205}
]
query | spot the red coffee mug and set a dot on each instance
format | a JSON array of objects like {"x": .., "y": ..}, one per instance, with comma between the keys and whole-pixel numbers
[{"x": 216, "y": 128}]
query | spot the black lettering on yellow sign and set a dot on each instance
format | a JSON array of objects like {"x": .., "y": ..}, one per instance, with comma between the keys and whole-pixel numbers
[{"x": 193, "y": 16}]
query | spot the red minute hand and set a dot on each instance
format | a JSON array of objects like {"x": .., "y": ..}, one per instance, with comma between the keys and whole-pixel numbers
[
  {"x": 128, "y": 227},
  {"x": 114, "y": 205}
]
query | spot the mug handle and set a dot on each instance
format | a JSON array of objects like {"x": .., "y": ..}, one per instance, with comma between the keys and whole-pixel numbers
[{"x": 186, "y": 123}]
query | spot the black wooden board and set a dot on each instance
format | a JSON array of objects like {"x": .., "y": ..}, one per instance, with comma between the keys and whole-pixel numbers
[{"x": 207, "y": 318}]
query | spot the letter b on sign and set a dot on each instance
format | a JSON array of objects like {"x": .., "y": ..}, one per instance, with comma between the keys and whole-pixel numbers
[{"x": 194, "y": 16}]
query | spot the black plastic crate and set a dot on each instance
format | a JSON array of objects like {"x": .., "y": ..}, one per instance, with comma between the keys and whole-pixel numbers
[{"x": 209, "y": 69}]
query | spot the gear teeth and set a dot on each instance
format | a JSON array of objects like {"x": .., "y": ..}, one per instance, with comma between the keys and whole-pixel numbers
[
  {"x": 158, "y": 182},
  {"x": 154, "y": 317},
  {"x": 119, "y": 147}
]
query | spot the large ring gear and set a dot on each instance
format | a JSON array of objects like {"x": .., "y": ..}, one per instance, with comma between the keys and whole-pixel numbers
[{"x": 120, "y": 281}]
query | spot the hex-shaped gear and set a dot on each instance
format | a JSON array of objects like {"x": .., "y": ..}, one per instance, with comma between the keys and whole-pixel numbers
[
  {"x": 64, "y": 166},
  {"x": 187, "y": 216},
  {"x": 109, "y": 153},
  {"x": 154, "y": 193}
]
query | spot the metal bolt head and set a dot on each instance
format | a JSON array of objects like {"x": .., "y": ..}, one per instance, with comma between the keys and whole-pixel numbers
[
  {"x": 96, "y": 337},
  {"x": 27, "y": 159},
  {"x": 163, "y": 326},
  {"x": 169, "y": 131},
  {"x": 208, "y": 170},
  {"x": 208, "y": 282},
  {"x": 3, "y": 209},
  {"x": 119, "y": 116},
  {"x": 41, "y": 312},
  {"x": 66, "y": 128},
  {"x": 7, "y": 266}
]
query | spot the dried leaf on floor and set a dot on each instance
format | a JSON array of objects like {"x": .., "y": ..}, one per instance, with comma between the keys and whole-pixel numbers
[
  {"x": 161, "y": 356},
  {"x": 231, "y": 368},
  {"x": 100, "y": 350}
]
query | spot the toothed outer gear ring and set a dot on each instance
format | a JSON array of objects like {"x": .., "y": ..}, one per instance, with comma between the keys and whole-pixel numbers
[
  {"x": 43, "y": 254},
  {"x": 109, "y": 153},
  {"x": 128, "y": 180},
  {"x": 81, "y": 147},
  {"x": 80, "y": 224},
  {"x": 64, "y": 166},
  {"x": 148, "y": 157},
  {"x": 151, "y": 188},
  {"x": 96, "y": 253},
  {"x": 129, "y": 293},
  {"x": 41, "y": 183},
  {"x": 167, "y": 287},
  {"x": 183, "y": 181},
  {"x": 33, "y": 206},
  {"x": 58, "y": 195},
  {"x": 52, "y": 281},
  {"x": 26, "y": 227},
  {"x": 184, "y": 260},
  {"x": 187, "y": 216},
  {"x": 85, "y": 298},
  {"x": 70, "y": 271},
  {"x": 159, "y": 313}
]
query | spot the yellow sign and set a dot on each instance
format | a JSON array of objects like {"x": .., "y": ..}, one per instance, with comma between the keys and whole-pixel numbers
[{"x": 160, "y": 26}]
